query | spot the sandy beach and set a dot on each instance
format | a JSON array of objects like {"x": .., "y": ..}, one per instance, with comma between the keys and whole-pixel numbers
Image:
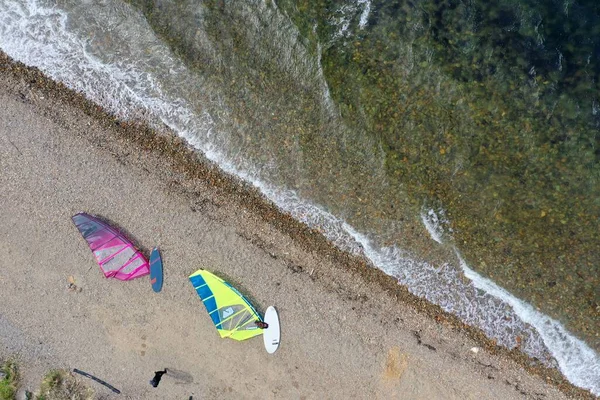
[{"x": 347, "y": 331}]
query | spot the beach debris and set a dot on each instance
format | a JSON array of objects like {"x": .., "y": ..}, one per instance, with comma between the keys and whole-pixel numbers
[
  {"x": 15, "y": 146},
  {"x": 420, "y": 342},
  {"x": 231, "y": 313},
  {"x": 518, "y": 341},
  {"x": 296, "y": 269},
  {"x": 72, "y": 286},
  {"x": 474, "y": 349},
  {"x": 100, "y": 381},
  {"x": 488, "y": 365},
  {"x": 116, "y": 255}
]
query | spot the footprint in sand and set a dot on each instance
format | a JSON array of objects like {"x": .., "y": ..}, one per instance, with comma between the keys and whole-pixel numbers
[{"x": 143, "y": 351}]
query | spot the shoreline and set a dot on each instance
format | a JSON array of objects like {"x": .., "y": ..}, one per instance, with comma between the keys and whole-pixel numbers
[{"x": 189, "y": 166}]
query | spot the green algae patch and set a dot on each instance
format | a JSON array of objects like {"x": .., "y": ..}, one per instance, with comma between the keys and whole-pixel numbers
[{"x": 9, "y": 380}]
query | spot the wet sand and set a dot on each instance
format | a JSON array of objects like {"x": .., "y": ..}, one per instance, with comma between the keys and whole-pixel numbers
[{"x": 348, "y": 330}]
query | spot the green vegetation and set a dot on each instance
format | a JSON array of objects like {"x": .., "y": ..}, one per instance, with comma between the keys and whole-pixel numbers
[
  {"x": 56, "y": 385},
  {"x": 10, "y": 382},
  {"x": 61, "y": 385}
]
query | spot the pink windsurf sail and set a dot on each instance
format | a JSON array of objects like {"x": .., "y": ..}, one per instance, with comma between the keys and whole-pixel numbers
[{"x": 116, "y": 255}]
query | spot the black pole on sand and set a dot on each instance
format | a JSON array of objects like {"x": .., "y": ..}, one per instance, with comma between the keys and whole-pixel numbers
[{"x": 100, "y": 381}]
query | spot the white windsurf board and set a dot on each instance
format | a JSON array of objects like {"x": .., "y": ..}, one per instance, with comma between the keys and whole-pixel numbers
[{"x": 272, "y": 334}]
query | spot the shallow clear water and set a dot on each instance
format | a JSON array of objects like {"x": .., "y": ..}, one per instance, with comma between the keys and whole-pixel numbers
[{"x": 371, "y": 133}]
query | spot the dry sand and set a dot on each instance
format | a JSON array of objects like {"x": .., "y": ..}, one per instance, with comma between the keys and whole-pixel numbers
[{"x": 344, "y": 335}]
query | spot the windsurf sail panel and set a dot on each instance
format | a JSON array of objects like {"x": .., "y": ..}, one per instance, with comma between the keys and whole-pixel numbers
[
  {"x": 231, "y": 313},
  {"x": 115, "y": 254}
]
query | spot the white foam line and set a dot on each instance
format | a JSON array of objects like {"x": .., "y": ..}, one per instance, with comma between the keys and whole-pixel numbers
[
  {"x": 576, "y": 360},
  {"x": 345, "y": 15},
  {"x": 432, "y": 224},
  {"x": 364, "y": 17}
]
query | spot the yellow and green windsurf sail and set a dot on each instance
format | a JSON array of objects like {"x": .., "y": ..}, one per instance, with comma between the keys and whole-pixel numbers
[{"x": 232, "y": 314}]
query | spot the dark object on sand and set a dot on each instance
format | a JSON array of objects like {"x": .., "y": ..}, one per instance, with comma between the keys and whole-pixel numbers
[
  {"x": 157, "y": 377},
  {"x": 261, "y": 324},
  {"x": 100, "y": 381}
]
